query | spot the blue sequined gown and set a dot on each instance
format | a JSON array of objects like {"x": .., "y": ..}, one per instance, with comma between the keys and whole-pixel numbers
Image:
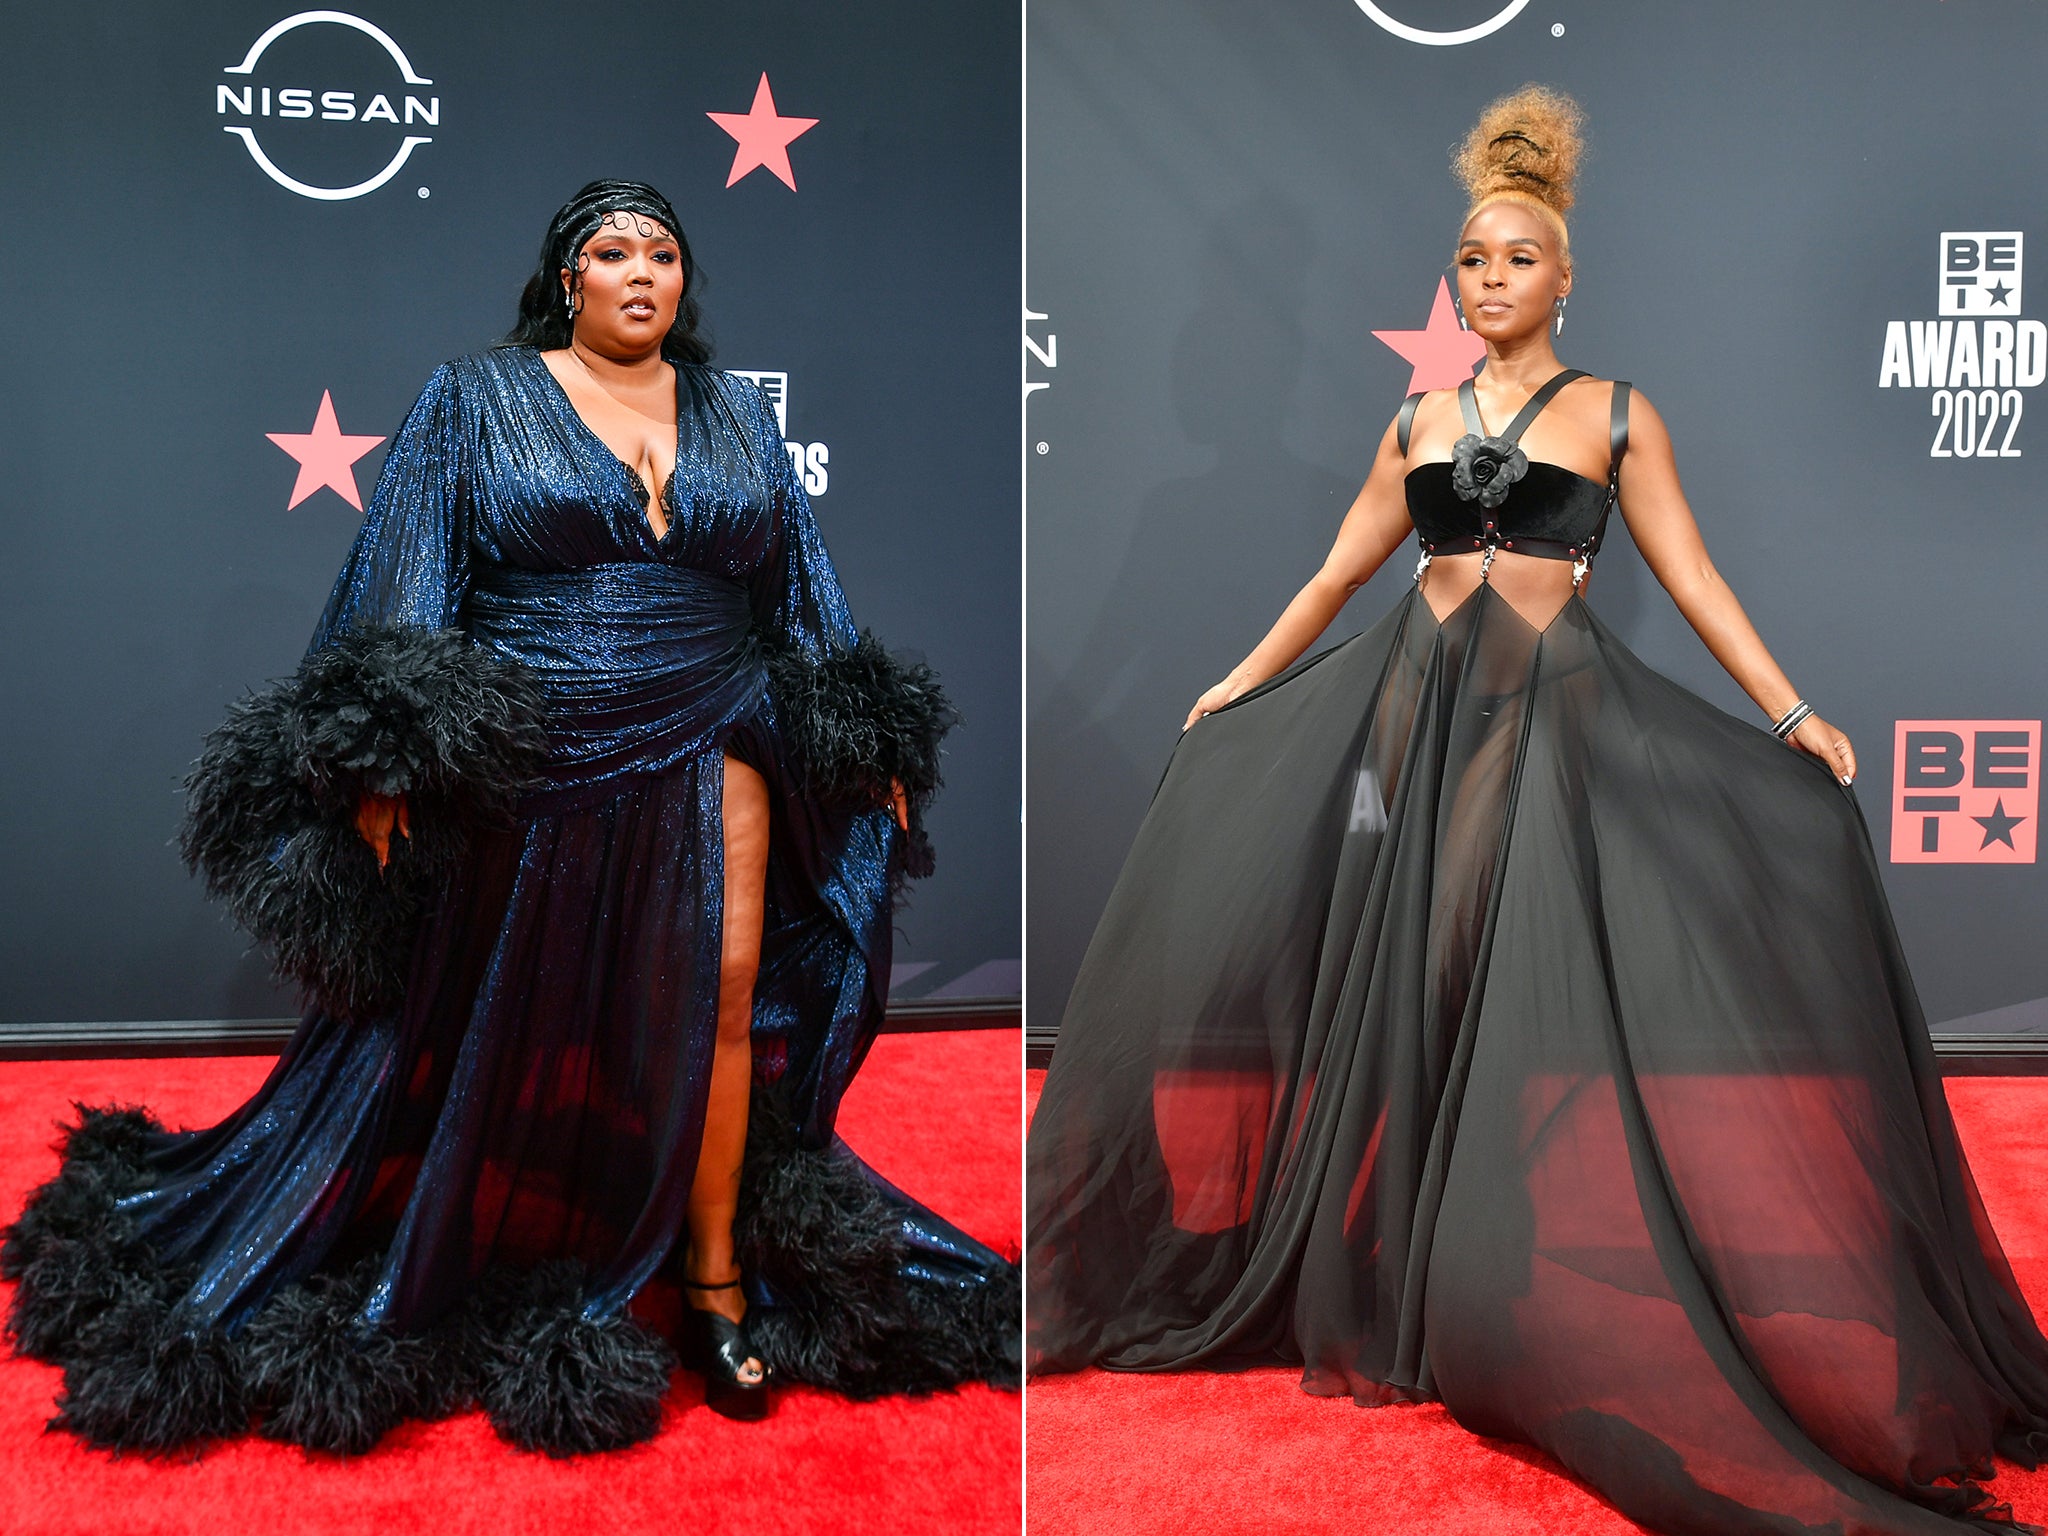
[{"x": 540, "y": 1092}]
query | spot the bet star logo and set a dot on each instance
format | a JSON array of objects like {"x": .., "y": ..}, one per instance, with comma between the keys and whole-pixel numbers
[
  {"x": 763, "y": 137},
  {"x": 1980, "y": 271},
  {"x": 326, "y": 456},
  {"x": 1966, "y": 791},
  {"x": 1443, "y": 355},
  {"x": 810, "y": 460}
]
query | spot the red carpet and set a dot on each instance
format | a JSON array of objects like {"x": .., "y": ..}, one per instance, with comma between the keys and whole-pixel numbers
[
  {"x": 935, "y": 1113},
  {"x": 1172, "y": 1455}
]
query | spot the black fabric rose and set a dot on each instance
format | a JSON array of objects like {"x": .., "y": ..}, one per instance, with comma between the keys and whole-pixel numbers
[{"x": 1482, "y": 468}]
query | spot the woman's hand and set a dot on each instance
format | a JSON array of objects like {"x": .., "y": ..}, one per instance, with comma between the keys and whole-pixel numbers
[
  {"x": 377, "y": 816},
  {"x": 901, "y": 803},
  {"x": 1815, "y": 735},
  {"x": 1214, "y": 699}
]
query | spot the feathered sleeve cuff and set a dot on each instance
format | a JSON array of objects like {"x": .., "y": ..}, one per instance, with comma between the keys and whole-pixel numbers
[
  {"x": 856, "y": 720},
  {"x": 271, "y": 803}
]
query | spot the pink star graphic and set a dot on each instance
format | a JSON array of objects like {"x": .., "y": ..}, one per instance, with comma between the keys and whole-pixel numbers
[
  {"x": 326, "y": 456},
  {"x": 1444, "y": 356},
  {"x": 763, "y": 137}
]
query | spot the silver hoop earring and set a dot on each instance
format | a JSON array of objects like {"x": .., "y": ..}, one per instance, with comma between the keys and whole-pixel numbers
[{"x": 1558, "y": 329}]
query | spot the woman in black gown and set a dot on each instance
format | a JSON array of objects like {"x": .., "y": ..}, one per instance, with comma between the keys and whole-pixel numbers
[
  {"x": 1483, "y": 1018},
  {"x": 583, "y": 812}
]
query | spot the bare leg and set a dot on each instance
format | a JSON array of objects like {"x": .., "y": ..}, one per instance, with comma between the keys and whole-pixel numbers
[{"x": 714, "y": 1196}]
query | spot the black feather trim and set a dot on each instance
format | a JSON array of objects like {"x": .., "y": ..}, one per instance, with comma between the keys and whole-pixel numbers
[
  {"x": 422, "y": 712},
  {"x": 554, "y": 1380},
  {"x": 859, "y": 719},
  {"x": 115, "y": 1138},
  {"x": 73, "y": 1283},
  {"x": 139, "y": 1380},
  {"x": 829, "y": 1246},
  {"x": 326, "y": 1383},
  {"x": 72, "y": 1254},
  {"x": 94, "y": 1298},
  {"x": 271, "y": 802}
]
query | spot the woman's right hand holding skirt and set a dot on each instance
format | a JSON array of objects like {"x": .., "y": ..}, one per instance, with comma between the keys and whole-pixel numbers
[
  {"x": 1222, "y": 694},
  {"x": 377, "y": 816}
]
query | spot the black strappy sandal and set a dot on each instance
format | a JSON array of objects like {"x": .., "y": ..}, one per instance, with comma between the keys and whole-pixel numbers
[{"x": 721, "y": 1351}]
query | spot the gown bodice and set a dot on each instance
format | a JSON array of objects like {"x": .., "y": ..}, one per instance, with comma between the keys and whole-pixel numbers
[
  {"x": 1491, "y": 494},
  {"x": 501, "y": 513},
  {"x": 1551, "y": 511},
  {"x": 548, "y": 494}
]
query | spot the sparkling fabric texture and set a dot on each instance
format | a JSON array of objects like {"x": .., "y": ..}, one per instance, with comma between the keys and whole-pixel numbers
[{"x": 541, "y": 1092}]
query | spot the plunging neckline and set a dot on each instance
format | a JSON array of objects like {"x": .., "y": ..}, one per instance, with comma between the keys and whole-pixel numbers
[{"x": 645, "y": 499}]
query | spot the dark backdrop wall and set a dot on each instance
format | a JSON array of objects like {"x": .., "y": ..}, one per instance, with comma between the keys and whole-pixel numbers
[
  {"x": 1803, "y": 233},
  {"x": 173, "y": 302}
]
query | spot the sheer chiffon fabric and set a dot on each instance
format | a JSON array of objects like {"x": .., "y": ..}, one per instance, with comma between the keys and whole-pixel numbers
[{"x": 1483, "y": 1017}]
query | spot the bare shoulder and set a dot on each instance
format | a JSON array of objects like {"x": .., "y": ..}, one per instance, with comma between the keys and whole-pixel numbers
[
  {"x": 1590, "y": 402},
  {"x": 1587, "y": 396},
  {"x": 1431, "y": 402}
]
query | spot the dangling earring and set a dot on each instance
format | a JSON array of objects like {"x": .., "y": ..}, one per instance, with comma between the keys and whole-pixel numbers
[
  {"x": 1459, "y": 305},
  {"x": 569, "y": 302},
  {"x": 1558, "y": 329}
]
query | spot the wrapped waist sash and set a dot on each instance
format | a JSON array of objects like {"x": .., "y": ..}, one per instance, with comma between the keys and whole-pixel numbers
[{"x": 642, "y": 664}]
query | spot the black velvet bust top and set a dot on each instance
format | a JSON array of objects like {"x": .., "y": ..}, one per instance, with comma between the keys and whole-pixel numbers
[{"x": 1552, "y": 512}]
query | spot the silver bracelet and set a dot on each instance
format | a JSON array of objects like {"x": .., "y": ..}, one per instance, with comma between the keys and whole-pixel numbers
[{"x": 1789, "y": 721}]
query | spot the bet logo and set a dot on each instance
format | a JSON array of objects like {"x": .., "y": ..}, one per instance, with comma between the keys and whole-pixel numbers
[
  {"x": 812, "y": 461},
  {"x": 324, "y": 103},
  {"x": 1981, "y": 356},
  {"x": 1980, "y": 271},
  {"x": 1966, "y": 791}
]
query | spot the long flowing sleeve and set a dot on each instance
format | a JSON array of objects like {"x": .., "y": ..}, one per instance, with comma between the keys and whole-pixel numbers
[
  {"x": 410, "y": 562},
  {"x": 858, "y": 721},
  {"x": 391, "y": 697},
  {"x": 795, "y": 590}
]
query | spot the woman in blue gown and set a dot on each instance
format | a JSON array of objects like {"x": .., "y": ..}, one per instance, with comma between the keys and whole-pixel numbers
[{"x": 580, "y": 824}]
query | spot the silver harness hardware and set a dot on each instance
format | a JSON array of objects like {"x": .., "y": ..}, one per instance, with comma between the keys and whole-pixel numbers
[{"x": 1582, "y": 559}]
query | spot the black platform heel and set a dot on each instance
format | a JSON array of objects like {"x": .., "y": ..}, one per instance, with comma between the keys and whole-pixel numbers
[{"x": 720, "y": 1348}]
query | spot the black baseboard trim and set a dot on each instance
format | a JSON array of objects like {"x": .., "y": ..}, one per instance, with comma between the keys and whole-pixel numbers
[
  {"x": 1967, "y": 1055},
  {"x": 919, "y": 1015},
  {"x": 266, "y": 1037},
  {"x": 1961, "y": 1055}
]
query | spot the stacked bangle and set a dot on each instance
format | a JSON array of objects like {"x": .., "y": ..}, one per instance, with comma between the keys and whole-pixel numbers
[{"x": 1789, "y": 721}]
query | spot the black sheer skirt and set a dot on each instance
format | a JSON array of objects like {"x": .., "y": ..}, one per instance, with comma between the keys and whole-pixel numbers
[{"x": 1483, "y": 1017}]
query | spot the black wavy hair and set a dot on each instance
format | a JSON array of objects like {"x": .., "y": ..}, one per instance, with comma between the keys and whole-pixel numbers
[{"x": 544, "y": 317}]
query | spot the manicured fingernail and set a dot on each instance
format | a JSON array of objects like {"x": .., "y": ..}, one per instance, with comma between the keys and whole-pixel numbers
[{"x": 1848, "y": 780}]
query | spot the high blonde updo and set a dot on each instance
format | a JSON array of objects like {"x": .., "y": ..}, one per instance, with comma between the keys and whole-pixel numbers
[{"x": 1525, "y": 148}]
